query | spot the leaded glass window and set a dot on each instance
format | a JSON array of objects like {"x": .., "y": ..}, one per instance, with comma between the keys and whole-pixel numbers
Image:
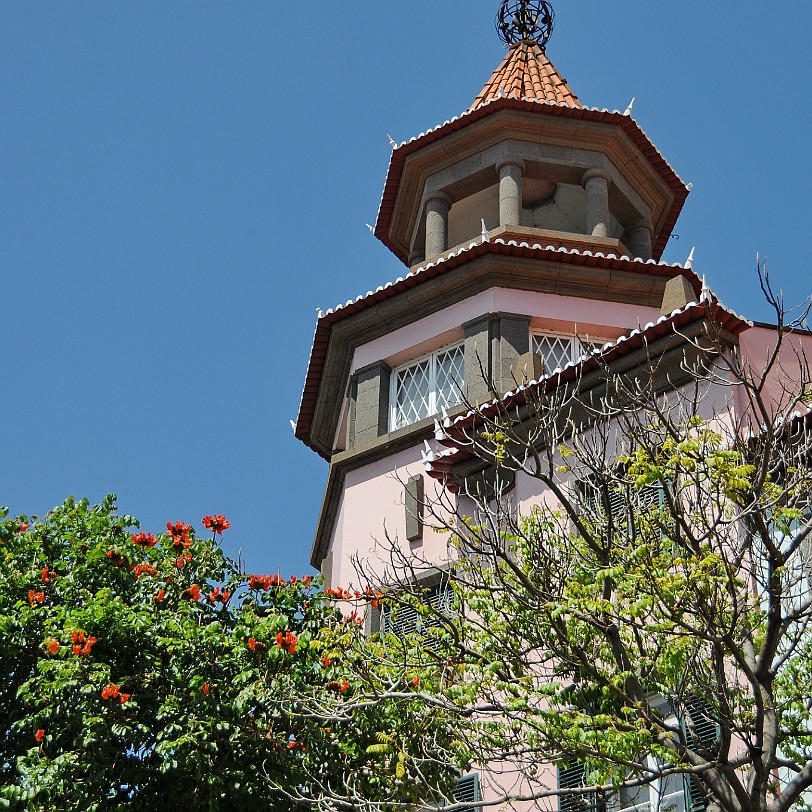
[{"x": 427, "y": 386}]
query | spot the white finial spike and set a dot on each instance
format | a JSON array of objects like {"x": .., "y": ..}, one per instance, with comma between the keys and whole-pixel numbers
[
  {"x": 319, "y": 312},
  {"x": 371, "y": 228},
  {"x": 689, "y": 263},
  {"x": 689, "y": 186},
  {"x": 439, "y": 434},
  {"x": 501, "y": 94},
  {"x": 391, "y": 141},
  {"x": 704, "y": 296},
  {"x": 446, "y": 418},
  {"x": 485, "y": 235},
  {"x": 293, "y": 425},
  {"x": 428, "y": 454},
  {"x": 629, "y": 108}
]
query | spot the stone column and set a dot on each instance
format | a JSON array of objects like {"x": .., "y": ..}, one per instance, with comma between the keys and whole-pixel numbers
[
  {"x": 510, "y": 192},
  {"x": 596, "y": 185},
  {"x": 415, "y": 258},
  {"x": 640, "y": 239},
  {"x": 437, "y": 207}
]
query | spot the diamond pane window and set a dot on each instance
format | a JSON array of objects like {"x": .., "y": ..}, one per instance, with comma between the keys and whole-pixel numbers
[
  {"x": 426, "y": 386},
  {"x": 558, "y": 351}
]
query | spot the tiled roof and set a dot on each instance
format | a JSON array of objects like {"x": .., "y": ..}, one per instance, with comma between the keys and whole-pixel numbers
[
  {"x": 527, "y": 72},
  {"x": 442, "y": 264},
  {"x": 453, "y": 436}
]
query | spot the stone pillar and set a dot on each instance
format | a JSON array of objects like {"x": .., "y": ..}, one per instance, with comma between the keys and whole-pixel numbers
[
  {"x": 369, "y": 404},
  {"x": 510, "y": 339},
  {"x": 510, "y": 192},
  {"x": 416, "y": 257},
  {"x": 477, "y": 360},
  {"x": 493, "y": 344},
  {"x": 640, "y": 239},
  {"x": 437, "y": 207},
  {"x": 596, "y": 185}
]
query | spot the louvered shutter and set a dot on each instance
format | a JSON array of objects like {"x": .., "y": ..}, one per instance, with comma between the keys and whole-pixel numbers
[
  {"x": 467, "y": 791},
  {"x": 704, "y": 737},
  {"x": 573, "y": 777},
  {"x": 403, "y": 620}
]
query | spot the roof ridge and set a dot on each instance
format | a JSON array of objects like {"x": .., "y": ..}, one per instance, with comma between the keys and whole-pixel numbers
[{"x": 526, "y": 71}]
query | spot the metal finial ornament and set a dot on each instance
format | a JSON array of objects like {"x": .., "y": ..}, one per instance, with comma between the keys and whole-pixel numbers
[{"x": 525, "y": 21}]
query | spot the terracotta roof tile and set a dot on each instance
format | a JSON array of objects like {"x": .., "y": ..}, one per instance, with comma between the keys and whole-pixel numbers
[{"x": 526, "y": 72}]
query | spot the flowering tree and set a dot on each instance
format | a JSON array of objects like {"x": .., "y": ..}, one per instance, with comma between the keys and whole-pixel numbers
[{"x": 148, "y": 671}]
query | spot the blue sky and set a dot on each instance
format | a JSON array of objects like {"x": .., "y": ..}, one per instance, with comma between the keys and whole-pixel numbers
[{"x": 184, "y": 183}]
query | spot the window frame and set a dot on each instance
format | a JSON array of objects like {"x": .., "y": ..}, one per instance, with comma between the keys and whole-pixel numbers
[
  {"x": 578, "y": 348},
  {"x": 433, "y": 390}
]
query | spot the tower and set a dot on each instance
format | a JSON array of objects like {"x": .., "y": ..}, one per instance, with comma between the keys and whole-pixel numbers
[{"x": 532, "y": 228}]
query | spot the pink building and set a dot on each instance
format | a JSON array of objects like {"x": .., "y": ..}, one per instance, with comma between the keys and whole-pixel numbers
[{"x": 531, "y": 228}]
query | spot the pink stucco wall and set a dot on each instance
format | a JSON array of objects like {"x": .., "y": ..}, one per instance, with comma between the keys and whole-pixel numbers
[
  {"x": 372, "y": 518},
  {"x": 556, "y": 313},
  {"x": 786, "y": 378}
]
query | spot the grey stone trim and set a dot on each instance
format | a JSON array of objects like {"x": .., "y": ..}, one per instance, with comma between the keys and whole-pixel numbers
[
  {"x": 493, "y": 344},
  {"x": 477, "y": 363},
  {"x": 327, "y": 570},
  {"x": 413, "y": 501},
  {"x": 529, "y": 367},
  {"x": 511, "y": 341},
  {"x": 678, "y": 293},
  {"x": 369, "y": 403}
]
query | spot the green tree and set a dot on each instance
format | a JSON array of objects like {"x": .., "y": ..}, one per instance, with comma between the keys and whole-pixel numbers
[
  {"x": 149, "y": 672},
  {"x": 647, "y": 626}
]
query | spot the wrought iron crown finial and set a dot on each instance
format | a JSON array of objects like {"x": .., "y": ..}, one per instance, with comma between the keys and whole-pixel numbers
[{"x": 525, "y": 20}]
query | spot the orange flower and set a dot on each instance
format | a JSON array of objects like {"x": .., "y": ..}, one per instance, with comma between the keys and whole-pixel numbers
[
  {"x": 287, "y": 641},
  {"x": 144, "y": 539},
  {"x": 39, "y": 735},
  {"x": 344, "y": 686},
  {"x": 111, "y": 692},
  {"x": 182, "y": 559},
  {"x": 123, "y": 698},
  {"x": 179, "y": 533},
  {"x": 35, "y": 597},
  {"x": 216, "y": 523},
  {"x": 193, "y": 592},
  {"x": 416, "y": 682},
  {"x": 22, "y": 527},
  {"x": 144, "y": 569},
  {"x": 159, "y": 597},
  {"x": 46, "y": 574},
  {"x": 214, "y": 594},
  {"x": 326, "y": 662},
  {"x": 225, "y": 596},
  {"x": 205, "y": 688},
  {"x": 52, "y": 645},
  {"x": 85, "y": 650}
]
